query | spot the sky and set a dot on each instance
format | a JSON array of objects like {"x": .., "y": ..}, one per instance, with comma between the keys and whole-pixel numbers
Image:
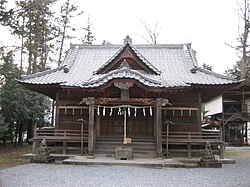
[{"x": 208, "y": 25}]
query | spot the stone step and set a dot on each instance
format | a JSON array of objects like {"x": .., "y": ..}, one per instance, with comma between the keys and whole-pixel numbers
[
  {"x": 142, "y": 148},
  {"x": 135, "y": 139},
  {"x": 135, "y": 155},
  {"x": 134, "y": 150},
  {"x": 135, "y": 146},
  {"x": 121, "y": 143}
]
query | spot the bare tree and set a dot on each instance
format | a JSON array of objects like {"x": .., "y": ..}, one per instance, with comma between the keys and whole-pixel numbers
[
  {"x": 243, "y": 48},
  {"x": 241, "y": 69},
  {"x": 152, "y": 33}
]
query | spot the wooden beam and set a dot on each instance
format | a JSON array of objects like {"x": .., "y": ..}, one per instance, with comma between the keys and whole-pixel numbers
[{"x": 136, "y": 101}]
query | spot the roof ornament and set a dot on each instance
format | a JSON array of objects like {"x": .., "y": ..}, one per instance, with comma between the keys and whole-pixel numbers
[
  {"x": 124, "y": 64},
  {"x": 128, "y": 40},
  {"x": 66, "y": 70},
  {"x": 194, "y": 70}
]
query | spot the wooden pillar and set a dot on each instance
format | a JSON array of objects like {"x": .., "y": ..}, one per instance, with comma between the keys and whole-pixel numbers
[
  {"x": 90, "y": 101},
  {"x": 158, "y": 128},
  {"x": 224, "y": 129},
  {"x": 57, "y": 111},
  {"x": 159, "y": 103},
  {"x": 222, "y": 145},
  {"x": 155, "y": 122},
  {"x": 246, "y": 138},
  {"x": 189, "y": 149},
  {"x": 81, "y": 139},
  {"x": 167, "y": 137},
  {"x": 91, "y": 127},
  {"x": 199, "y": 112},
  {"x": 223, "y": 122},
  {"x": 64, "y": 152}
]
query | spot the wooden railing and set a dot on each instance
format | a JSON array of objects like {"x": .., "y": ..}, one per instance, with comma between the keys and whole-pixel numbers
[
  {"x": 63, "y": 136},
  {"x": 50, "y": 134},
  {"x": 193, "y": 138}
]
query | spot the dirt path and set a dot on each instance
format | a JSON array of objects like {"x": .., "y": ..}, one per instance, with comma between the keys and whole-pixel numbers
[
  {"x": 243, "y": 152},
  {"x": 10, "y": 155}
]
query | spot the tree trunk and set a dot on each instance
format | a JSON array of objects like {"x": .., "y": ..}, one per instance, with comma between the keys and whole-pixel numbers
[
  {"x": 29, "y": 130},
  {"x": 20, "y": 133}
]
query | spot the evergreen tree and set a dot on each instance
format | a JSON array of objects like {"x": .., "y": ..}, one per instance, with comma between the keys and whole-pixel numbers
[
  {"x": 35, "y": 25},
  {"x": 4, "y": 129},
  {"x": 5, "y": 15},
  {"x": 88, "y": 37},
  {"x": 67, "y": 12},
  {"x": 234, "y": 71},
  {"x": 18, "y": 105}
]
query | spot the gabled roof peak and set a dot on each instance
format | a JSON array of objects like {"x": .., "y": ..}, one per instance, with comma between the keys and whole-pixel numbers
[
  {"x": 128, "y": 40},
  {"x": 122, "y": 50}
]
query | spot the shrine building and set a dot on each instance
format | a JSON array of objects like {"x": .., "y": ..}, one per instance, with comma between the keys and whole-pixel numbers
[{"x": 145, "y": 97}]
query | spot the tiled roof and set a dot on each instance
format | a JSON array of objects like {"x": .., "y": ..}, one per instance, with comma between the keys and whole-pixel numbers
[{"x": 174, "y": 65}]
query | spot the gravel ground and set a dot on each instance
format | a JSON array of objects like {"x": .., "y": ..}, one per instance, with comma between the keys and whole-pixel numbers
[{"x": 46, "y": 175}]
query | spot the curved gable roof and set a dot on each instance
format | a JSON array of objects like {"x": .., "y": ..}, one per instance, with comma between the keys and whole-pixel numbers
[
  {"x": 138, "y": 54},
  {"x": 174, "y": 65}
]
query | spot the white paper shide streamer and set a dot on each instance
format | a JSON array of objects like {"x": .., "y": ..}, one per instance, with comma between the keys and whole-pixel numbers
[
  {"x": 124, "y": 107},
  {"x": 103, "y": 112},
  {"x": 98, "y": 110}
]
